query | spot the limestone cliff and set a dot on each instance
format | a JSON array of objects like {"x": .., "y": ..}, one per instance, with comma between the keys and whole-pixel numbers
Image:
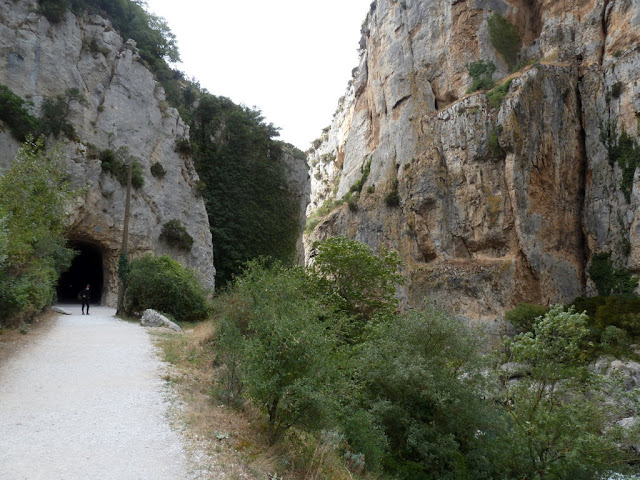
[
  {"x": 490, "y": 202},
  {"x": 123, "y": 106}
]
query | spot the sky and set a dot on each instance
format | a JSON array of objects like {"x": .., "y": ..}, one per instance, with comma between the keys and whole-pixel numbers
[{"x": 292, "y": 59}]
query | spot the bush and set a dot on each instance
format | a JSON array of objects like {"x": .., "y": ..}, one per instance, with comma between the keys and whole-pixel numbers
[
  {"x": 496, "y": 95},
  {"x": 493, "y": 142},
  {"x": 610, "y": 280},
  {"x": 287, "y": 359},
  {"x": 55, "y": 112},
  {"x": 54, "y": 10},
  {"x": 481, "y": 72},
  {"x": 505, "y": 38},
  {"x": 392, "y": 198},
  {"x": 624, "y": 151},
  {"x": 421, "y": 390},
  {"x": 616, "y": 90},
  {"x": 157, "y": 170},
  {"x": 115, "y": 163},
  {"x": 174, "y": 233},
  {"x": 163, "y": 284},
  {"x": 183, "y": 147},
  {"x": 524, "y": 316},
  {"x": 355, "y": 280},
  {"x": 14, "y": 113},
  {"x": 623, "y": 313},
  {"x": 364, "y": 169},
  {"x": 614, "y": 338}
]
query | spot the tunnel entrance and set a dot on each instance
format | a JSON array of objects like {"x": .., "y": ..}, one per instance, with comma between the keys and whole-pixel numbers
[{"x": 86, "y": 268}]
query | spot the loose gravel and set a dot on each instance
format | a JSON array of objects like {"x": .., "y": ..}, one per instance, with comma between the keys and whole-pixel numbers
[{"x": 86, "y": 400}]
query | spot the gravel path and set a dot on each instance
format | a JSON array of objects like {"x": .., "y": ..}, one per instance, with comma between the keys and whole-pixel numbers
[{"x": 86, "y": 401}]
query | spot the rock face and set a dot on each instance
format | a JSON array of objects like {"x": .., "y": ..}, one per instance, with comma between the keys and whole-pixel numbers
[
  {"x": 490, "y": 203},
  {"x": 123, "y": 107}
]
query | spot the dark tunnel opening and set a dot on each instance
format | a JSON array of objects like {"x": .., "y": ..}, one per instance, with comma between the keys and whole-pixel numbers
[{"x": 86, "y": 269}]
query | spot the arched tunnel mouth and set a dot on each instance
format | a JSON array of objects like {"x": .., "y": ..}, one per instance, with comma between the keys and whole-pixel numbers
[{"x": 86, "y": 269}]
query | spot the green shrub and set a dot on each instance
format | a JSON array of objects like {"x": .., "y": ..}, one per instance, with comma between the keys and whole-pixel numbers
[
  {"x": 287, "y": 360},
  {"x": 616, "y": 90},
  {"x": 115, "y": 162},
  {"x": 619, "y": 312},
  {"x": 392, "y": 198},
  {"x": 55, "y": 113},
  {"x": 525, "y": 315},
  {"x": 496, "y": 95},
  {"x": 420, "y": 396},
  {"x": 623, "y": 149},
  {"x": 163, "y": 284},
  {"x": 493, "y": 142},
  {"x": 176, "y": 235},
  {"x": 614, "y": 338},
  {"x": 588, "y": 305},
  {"x": 183, "y": 147},
  {"x": 610, "y": 280},
  {"x": 559, "y": 427},
  {"x": 482, "y": 74},
  {"x": 157, "y": 170},
  {"x": 505, "y": 38},
  {"x": 325, "y": 209},
  {"x": 357, "y": 281},
  {"x": 54, "y": 10},
  {"x": 364, "y": 169},
  {"x": 352, "y": 201},
  {"x": 14, "y": 114}
]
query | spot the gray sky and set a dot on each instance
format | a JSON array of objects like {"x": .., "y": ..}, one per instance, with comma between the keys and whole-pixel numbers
[{"x": 290, "y": 58}]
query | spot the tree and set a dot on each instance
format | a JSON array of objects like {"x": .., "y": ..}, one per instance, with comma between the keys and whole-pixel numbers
[
  {"x": 287, "y": 359},
  {"x": 34, "y": 193},
  {"x": 419, "y": 381},
  {"x": 560, "y": 427},
  {"x": 356, "y": 281}
]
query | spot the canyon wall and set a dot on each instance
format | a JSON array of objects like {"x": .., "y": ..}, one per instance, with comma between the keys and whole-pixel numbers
[
  {"x": 121, "y": 106},
  {"x": 489, "y": 202}
]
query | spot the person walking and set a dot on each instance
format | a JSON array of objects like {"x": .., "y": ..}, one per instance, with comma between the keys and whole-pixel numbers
[{"x": 85, "y": 297}]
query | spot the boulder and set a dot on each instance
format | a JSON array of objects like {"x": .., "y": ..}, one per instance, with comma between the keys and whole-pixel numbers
[{"x": 151, "y": 318}]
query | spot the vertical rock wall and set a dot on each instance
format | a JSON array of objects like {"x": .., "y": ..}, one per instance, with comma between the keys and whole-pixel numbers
[
  {"x": 497, "y": 203},
  {"x": 124, "y": 107}
]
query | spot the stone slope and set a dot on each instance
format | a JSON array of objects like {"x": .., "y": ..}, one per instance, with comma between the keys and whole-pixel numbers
[
  {"x": 497, "y": 203},
  {"x": 124, "y": 107}
]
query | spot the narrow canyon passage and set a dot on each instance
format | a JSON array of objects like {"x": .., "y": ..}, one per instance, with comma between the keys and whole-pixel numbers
[{"x": 87, "y": 400}]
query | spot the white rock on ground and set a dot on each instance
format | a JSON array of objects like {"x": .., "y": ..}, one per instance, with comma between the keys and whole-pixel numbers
[
  {"x": 86, "y": 400},
  {"x": 151, "y": 318}
]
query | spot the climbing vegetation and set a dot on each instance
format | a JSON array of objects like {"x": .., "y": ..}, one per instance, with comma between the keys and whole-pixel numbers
[{"x": 252, "y": 210}]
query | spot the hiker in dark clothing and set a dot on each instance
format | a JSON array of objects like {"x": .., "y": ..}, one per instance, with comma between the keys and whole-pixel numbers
[{"x": 85, "y": 296}]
